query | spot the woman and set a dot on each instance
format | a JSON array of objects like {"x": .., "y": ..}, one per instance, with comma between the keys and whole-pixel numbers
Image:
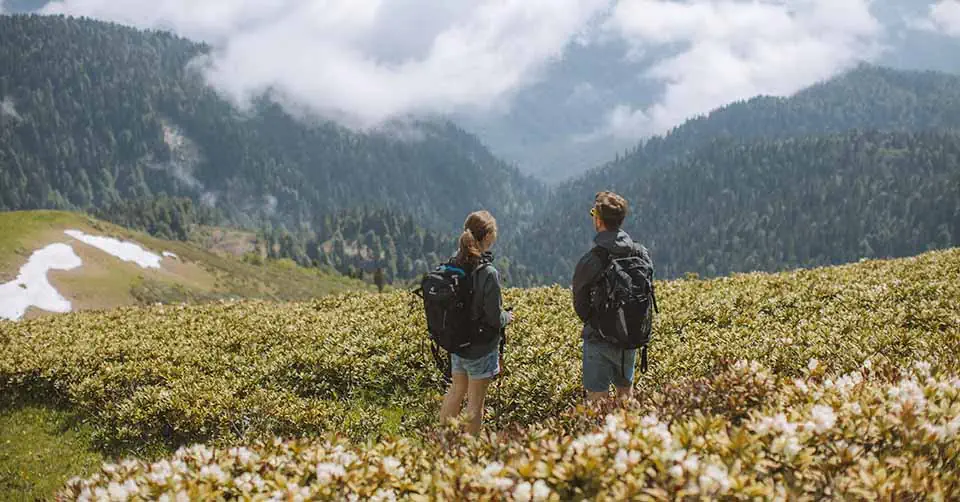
[{"x": 474, "y": 369}]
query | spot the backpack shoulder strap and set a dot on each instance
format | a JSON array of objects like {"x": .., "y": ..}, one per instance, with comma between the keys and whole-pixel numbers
[{"x": 602, "y": 254}]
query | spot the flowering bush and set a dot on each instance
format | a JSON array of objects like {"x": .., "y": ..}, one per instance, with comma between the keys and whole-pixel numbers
[
  {"x": 820, "y": 408},
  {"x": 860, "y": 436}
]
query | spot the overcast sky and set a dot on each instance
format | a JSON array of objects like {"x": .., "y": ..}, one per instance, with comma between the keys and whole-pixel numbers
[{"x": 362, "y": 62}]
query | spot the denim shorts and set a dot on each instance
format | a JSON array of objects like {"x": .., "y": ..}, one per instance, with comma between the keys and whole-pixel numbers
[
  {"x": 604, "y": 364},
  {"x": 487, "y": 366}
]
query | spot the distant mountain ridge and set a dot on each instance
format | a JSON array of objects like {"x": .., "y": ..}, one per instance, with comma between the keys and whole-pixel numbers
[
  {"x": 104, "y": 111},
  {"x": 867, "y": 99},
  {"x": 99, "y": 116}
]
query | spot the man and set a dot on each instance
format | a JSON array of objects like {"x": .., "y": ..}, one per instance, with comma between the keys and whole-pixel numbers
[{"x": 603, "y": 363}]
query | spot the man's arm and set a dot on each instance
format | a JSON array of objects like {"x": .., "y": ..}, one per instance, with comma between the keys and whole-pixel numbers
[{"x": 584, "y": 276}]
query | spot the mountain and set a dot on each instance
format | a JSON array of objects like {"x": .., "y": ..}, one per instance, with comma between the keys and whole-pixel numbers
[
  {"x": 707, "y": 167},
  {"x": 97, "y": 112},
  {"x": 557, "y": 126},
  {"x": 55, "y": 261},
  {"x": 554, "y": 128}
]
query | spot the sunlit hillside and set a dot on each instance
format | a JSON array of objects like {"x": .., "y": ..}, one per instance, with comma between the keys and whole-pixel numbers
[
  {"x": 826, "y": 383},
  {"x": 54, "y": 262}
]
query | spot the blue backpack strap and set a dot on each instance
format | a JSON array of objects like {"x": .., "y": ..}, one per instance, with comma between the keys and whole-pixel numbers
[{"x": 457, "y": 270}]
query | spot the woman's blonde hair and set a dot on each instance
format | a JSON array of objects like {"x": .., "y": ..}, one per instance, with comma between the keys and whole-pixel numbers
[{"x": 476, "y": 228}]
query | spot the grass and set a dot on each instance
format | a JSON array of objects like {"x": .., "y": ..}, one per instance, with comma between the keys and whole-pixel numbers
[
  {"x": 40, "y": 449},
  {"x": 199, "y": 275}
]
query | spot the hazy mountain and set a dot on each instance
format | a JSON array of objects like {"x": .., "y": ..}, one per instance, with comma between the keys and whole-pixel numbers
[
  {"x": 554, "y": 128},
  {"x": 702, "y": 168}
]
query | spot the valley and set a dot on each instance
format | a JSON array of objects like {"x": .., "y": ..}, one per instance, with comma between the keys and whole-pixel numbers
[{"x": 188, "y": 308}]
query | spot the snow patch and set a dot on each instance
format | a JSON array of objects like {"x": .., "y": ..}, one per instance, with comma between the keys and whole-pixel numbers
[
  {"x": 126, "y": 251},
  {"x": 168, "y": 254},
  {"x": 31, "y": 287}
]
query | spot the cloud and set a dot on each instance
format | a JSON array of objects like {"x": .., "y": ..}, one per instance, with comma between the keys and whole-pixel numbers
[
  {"x": 727, "y": 50},
  {"x": 8, "y": 107},
  {"x": 945, "y": 17},
  {"x": 269, "y": 204},
  {"x": 365, "y": 62}
]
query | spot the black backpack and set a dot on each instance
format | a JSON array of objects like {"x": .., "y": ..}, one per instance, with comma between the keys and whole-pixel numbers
[
  {"x": 447, "y": 294},
  {"x": 624, "y": 302}
]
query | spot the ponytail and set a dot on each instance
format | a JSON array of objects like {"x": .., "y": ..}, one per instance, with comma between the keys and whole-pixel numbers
[
  {"x": 478, "y": 226},
  {"x": 469, "y": 250}
]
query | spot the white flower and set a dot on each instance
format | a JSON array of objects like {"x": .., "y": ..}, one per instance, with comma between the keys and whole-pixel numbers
[
  {"x": 620, "y": 462},
  {"x": 823, "y": 418},
  {"x": 160, "y": 472},
  {"x": 950, "y": 430},
  {"x": 852, "y": 407},
  {"x": 649, "y": 421},
  {"x": 584, "y": 442},
  {"x": 714, "y": 479},
  {"x": 117, "y": 492},
  {"x": 540, "y": 491},
  {"x": 523, "y": 492},
  {"x": 922, "y": 367},
  {"x": 812, "y": 365},
  {"x": 392, "y": 467},
  {"x": 327, "y": 472},
  {"x": 788, "y": 446},
  {"x": 213, "y": 472},
  {"x": 382, "y": 495},
  {"x": 676, "y": 471},
  {"x": 244, "y": 455},
  {"x": 623, "y": 438},
  {"x": 345, "y": 458},
  {"x": 613, "y": 424},
  {"x": 802, "y": 385},
  {"x": 907, "y": 392},
  {"x": 244, "y": 482},
  {"x": 489, "y": 477},
  {"x": 493, "y": 468},
  {"x": 868, "y": 364},
  {"x": 692, "y": 463}
]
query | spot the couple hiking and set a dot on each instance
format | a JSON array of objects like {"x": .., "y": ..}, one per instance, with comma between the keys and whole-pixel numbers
[{"x": 612, "y": 295}]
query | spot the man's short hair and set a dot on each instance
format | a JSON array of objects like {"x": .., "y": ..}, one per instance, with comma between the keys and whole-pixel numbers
[{"x": 612, "y": 209}]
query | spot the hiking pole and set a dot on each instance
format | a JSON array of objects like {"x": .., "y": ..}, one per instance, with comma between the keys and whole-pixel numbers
[{"x": 503, "y": 345}]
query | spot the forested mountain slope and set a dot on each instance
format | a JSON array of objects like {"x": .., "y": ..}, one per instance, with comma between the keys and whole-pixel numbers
[
  {"x": 116, "y": 121},
  {"x": 96, "y": 112},
  {"x": 868, "y": 98},
  {"x": 780, "y": 203}
]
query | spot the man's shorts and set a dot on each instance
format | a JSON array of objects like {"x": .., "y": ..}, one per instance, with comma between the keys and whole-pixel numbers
[
  {"x": 604, "y": 364},
  {"x": 487, "y": 366}
]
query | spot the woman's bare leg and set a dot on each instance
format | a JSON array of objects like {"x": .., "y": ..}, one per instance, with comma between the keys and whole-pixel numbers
[
  {"x": 454, "y": 398},
  {"x": 476, "y": 394}
]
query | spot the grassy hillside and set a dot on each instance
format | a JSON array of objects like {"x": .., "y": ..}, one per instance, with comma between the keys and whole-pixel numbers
[
  {"x": 104, "y": 281},
  {"x": 809, "y": 383}
]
